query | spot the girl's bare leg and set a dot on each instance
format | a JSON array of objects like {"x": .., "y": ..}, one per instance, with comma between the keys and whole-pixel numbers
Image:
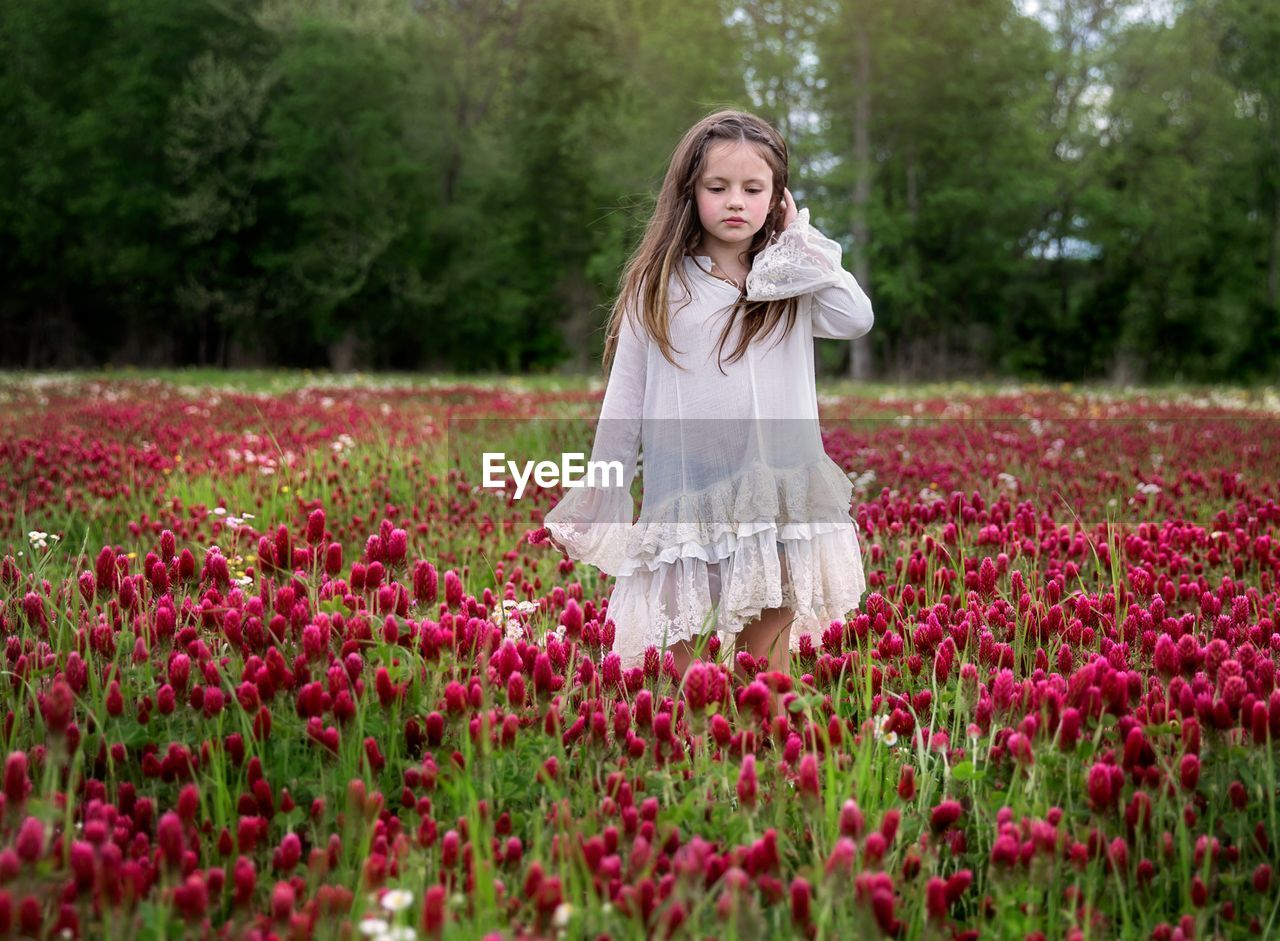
[
  {"x": 684, "y": 654},
  {"x": 768, "y": 636}
]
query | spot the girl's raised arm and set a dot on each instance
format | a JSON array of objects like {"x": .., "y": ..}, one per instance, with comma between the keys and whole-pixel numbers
[
  {"x": 592, "y": 521},
  {"x": 804, "y": 261}
]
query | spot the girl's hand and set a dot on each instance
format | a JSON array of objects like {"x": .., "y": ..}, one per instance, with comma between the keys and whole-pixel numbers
[
  {"x": 552, "y": 539},
  {"x": 789, "y": 210}
]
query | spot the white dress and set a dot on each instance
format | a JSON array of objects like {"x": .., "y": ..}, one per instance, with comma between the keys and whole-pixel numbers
[{"x": 743, "y": 510}]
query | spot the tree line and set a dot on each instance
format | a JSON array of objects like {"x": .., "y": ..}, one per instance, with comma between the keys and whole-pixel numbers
[{"x": 1076, "y": 193}]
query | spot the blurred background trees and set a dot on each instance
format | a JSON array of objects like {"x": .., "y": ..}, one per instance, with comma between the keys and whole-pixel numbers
[{"x": 1075, "y": 189}]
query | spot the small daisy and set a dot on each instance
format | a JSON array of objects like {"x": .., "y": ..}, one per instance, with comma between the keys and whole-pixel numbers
[
  {"x": 562, "y": 916},
  {"x": 397, "y": 900},
  {"x": 373, "y": 926}
]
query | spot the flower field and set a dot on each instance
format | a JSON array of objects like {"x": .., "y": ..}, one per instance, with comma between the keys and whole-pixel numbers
[{"x": 273, "y": 668}]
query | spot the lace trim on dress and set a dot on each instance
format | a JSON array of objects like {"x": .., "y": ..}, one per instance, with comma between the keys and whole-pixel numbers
[
  {"x": 682, "y": 600},
  {"x": 759, "y": 497},
  {"x": 727, "y": 542},
  {"x": 800, "y": 261},
  {"x": 592, "y": 524}
]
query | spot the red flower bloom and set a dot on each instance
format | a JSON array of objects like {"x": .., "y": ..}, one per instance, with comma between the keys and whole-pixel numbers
[
  {"x": 1189, "y": 771},
  {"x": 944, "y": 815},
  {"x": 1099, "y": 787},
  {"x": 1262, "y": 878},
  {"x": 16, "y": 782},
  {"x": 935, "y": 894},
  {"x": 801, "y": 900},
  {"x": 315, "y": 527},
  {"x": 809, "y": 786},
  {"x": 170, "y": 839},
  {"x": 748, "y": 785},
  {"x": 29, "y": 843},
  {"x": 282, "y": 900},
  {"x": 907, "y": 782}
]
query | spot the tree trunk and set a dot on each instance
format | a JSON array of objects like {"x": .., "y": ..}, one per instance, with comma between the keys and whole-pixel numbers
[
  {"x": 1273, "y": 261},
  {"x": 860, "y": 349},
  {"x": 344, "y": 352},
  {"x": 579, "y": 302}
]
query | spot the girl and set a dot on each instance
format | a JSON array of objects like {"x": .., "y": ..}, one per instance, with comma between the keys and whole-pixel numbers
[{"x": 745, "y": 525}]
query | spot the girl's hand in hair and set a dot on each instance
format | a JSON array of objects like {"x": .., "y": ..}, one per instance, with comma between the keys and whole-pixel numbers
[{"x": 789, "y": 211}]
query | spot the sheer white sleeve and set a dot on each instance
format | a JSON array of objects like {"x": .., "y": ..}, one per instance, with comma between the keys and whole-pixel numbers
[
  {"x": 804, "y": 261},
  {"x": 592, "y": 521}
]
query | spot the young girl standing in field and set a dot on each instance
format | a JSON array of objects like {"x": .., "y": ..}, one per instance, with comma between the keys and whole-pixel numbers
[{"x": 745, "y": 525}]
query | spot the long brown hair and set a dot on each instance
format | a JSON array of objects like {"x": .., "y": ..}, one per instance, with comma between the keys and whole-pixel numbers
[{"x": 674, "y": 231}]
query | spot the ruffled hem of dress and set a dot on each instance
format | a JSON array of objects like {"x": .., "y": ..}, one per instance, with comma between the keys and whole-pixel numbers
[
  {"x": 728, "y": 538},
  {"x": 660, "y": 607},
  {"x": 792, "y": 500},
  {"x": 592, "y": 524}
]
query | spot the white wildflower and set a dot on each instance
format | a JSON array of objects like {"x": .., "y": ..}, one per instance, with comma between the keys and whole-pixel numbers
[
  {"x": 882, "y": 728},
  {"x": 864, "y": 480},
  {"x": 562, "y": 916},
  {"x": 397, "y": 900},
  {"x": 373, "y": 926}
]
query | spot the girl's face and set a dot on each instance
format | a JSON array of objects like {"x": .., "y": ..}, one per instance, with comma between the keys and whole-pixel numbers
[{"x": 736, "y": 184}]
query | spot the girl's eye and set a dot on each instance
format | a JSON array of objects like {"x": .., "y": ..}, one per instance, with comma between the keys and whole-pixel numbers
[{"x": 716, "y": 189}]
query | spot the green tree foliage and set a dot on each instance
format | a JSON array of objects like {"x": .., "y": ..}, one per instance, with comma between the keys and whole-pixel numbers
[{"x": 409, "y": 184}]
